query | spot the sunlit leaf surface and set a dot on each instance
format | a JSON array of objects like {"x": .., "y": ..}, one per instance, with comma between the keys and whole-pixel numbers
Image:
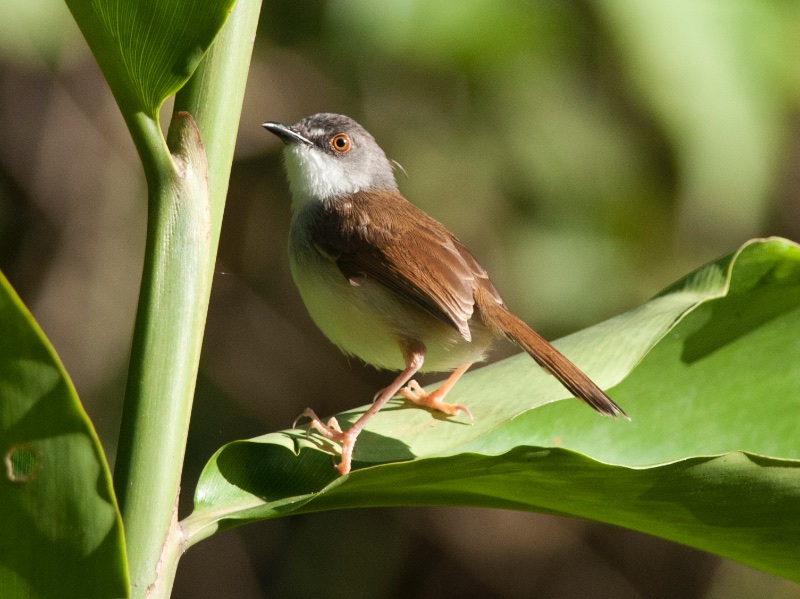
[
  {"x": 147, "y": 49},
  {"x": 707, "y": 371}
]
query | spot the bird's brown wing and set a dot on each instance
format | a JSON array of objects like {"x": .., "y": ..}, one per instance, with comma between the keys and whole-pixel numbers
[{"x": 382, "y": 236}]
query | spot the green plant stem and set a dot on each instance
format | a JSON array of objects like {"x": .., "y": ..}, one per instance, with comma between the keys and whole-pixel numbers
[
  {"x": 214, "y": 97},
  {"x": 165, "y": 353},
  {"x": 184, "y": 220}
]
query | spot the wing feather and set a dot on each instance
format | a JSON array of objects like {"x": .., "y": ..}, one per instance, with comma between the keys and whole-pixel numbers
[{"x": 380, "y": 235}]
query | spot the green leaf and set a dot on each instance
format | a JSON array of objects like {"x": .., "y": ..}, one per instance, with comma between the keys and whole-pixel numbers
[
  {"x": 147, "y": 49},
  {"x": 706, "y": 370},
  {"x": 61, "y": 533}
]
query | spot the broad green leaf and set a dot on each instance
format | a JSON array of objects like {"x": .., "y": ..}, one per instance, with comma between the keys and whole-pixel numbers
[
  {"x": 147, "y": 49},
  {"x": 707, "y": 371},
  {"x": 61, "y": 534}
]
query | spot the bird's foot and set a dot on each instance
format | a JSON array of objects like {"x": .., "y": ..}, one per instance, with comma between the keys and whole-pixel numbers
[
  {"x": 433, "y": 400},
  {"x": 333, "y": 432}
]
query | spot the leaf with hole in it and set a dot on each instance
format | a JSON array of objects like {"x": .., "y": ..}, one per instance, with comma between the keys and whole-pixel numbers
[
  {"x": 61, "y": 534},
  {"x": 147, "y": 49},
  {"x": 708, "y": 372}
]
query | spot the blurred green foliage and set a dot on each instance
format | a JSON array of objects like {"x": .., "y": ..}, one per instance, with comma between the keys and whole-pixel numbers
[{"x": 650, "y": 136}]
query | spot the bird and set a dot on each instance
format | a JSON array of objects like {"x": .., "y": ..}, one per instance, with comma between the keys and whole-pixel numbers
[{"x": 388, "y": 283}]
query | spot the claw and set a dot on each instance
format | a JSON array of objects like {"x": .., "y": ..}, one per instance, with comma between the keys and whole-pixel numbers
[
  {"x": 433, "y": 400},
  {"x": 307, "y": 413},
  {"x": 333, "y": 424},
  {"x": 333, "y": 432}
]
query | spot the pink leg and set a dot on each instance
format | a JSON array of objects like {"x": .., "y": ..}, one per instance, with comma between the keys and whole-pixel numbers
[
  {"x": 434, "y": 399},
  {"x": 415, "y": 356}
]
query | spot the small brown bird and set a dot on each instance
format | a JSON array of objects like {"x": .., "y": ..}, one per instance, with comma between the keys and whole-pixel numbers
[{"x": 389, "y": 284}]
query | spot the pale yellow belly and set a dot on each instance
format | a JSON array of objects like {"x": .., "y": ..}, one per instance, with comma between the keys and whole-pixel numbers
[{"x": 368, "y": 322}]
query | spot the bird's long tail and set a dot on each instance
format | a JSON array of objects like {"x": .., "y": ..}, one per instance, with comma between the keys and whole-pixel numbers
[{"x": 552, "y": 360}]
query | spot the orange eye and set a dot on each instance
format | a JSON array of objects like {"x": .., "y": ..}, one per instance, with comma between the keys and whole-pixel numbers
[{"x": 341, "y": 143}]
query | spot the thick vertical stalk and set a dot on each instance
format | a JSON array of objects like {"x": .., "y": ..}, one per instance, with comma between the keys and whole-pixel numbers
[
  {"x": 165, "y": 353},
  {"x": 186, "y": 201}
]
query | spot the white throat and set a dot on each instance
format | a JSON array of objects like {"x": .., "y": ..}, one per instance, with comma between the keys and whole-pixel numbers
[{"x": 317, "y": 176}]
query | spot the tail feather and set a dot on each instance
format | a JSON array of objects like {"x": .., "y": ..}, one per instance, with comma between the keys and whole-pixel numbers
[{"x": 552, "y": 360}]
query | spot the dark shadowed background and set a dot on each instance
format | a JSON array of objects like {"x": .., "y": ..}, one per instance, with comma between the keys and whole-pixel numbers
[{"x": 588, "y": 152}]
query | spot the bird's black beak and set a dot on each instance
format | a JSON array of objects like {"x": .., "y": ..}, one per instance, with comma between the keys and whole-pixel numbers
[{"x": 286, "y": 133}]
